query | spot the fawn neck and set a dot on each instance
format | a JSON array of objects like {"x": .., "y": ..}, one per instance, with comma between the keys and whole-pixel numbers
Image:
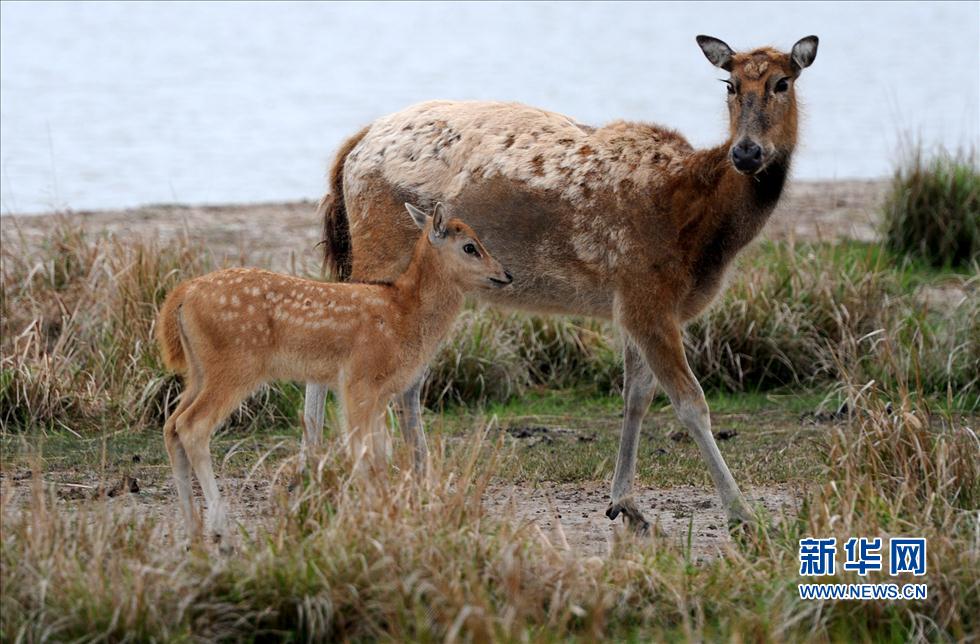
[{"x": 427, "y": 293}]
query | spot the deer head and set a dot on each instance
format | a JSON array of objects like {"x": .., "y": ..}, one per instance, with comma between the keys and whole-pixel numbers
[{"x": 761, "y": 98}]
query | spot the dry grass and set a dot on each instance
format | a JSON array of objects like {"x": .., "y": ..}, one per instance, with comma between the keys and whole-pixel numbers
[
  {"x": 76, "y": 321},
  {"x": 341, "y": 561},
  {"x": 77, "y": 351},
  {"x": 808, "y": 314},
  {"x": 335, "y": 560}
]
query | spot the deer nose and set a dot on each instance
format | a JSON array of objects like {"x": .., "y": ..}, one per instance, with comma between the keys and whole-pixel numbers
[{"x": 747, "y": 156}]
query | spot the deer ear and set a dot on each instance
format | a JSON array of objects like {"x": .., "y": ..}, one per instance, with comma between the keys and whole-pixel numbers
[
  {"x": 804, "y": 53},
  {"x": 717, "y": 52},
  {"x": 419, "y": 217},
  {"x": 439, "y": 221}
]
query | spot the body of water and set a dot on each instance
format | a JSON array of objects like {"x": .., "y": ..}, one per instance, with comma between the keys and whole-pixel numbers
[{"x": 112, "y": 105}]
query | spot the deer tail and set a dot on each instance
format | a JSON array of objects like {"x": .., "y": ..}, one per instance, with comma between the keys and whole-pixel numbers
[
  {"x": 168, "y": 331},
  {"x": 336, "y": 229}
]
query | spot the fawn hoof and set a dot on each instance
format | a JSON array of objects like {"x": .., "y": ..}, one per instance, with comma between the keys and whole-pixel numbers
[
  {"x": 632, "y": 516},
  {"x": 225, "y": 548},
  {"x": 224, "y": 543}
]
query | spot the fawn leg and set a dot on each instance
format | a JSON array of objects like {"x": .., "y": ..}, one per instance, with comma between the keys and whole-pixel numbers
[
  {"x": 661, "y": 341},
  {"x": 361, "y": 409},
  {"x": 380, "y": 440},
  {"x": 179, "y": 461},
  {"x": 409, "y": 409},
  {"x": 639, "y": 385},
  {"x": 181, "y": 465},
  {"x": 194, "y": 428}
]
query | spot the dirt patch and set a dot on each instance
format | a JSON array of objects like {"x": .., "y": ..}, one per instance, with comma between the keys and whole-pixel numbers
[
  {"x": 945, "y": 295},
  {"x": 575, "y": 513},
  {"x": 149, "y": 494},
  {"x": 540, "y": 434},
  {"x": 281, "y": 235},
  {"x": 826, "y": 210}
]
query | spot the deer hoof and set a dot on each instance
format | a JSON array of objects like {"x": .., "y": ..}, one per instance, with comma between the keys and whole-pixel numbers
[
  {"x": 741, "y": 518},
  {"x": 632, "y": 516}
]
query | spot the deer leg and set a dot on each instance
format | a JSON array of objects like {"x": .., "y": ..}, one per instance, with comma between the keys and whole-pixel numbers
[
  {"x": 316, "y": 396},
  {"x": 409, "y": 409},
  {"x": 662, "y": 344},
  {"x": 639, "y": 386}
]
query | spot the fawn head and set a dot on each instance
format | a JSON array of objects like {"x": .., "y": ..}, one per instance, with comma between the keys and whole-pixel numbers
[
  {"x": 460, "y": 249},
  {"x": 761, "y": 98}
]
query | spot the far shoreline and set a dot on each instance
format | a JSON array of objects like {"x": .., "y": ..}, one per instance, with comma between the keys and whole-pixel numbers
[{"x": 265, "y": 203}]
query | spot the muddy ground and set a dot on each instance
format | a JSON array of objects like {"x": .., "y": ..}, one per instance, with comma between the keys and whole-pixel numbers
[
  {"x": 569, "y": 515},
  {"x": 253, "y": 471}
]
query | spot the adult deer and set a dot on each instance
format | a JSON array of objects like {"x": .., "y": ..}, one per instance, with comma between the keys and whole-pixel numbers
[{"x": 626, "y": 221}]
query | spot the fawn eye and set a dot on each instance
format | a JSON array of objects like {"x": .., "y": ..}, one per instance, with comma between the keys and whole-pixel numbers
[
  {"x": 730, "y": 86},
  {"x": 470, "y": 249},
  {"x": 781, "y": 85}
]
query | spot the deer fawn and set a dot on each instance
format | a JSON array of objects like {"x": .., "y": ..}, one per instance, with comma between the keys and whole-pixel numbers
[
  {"x": 627, "y": 222},
  {"x": 231, "y": 331}
]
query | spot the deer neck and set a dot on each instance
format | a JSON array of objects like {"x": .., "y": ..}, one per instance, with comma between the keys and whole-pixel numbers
[
  {"x": 733, "y": 210},
  {"x": 736, "y": 206}
]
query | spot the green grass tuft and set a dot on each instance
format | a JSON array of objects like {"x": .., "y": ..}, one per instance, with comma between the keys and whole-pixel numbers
[{"x": 932, "y": 211}]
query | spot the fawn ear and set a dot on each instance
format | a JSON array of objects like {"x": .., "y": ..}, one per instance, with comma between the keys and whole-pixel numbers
[
  {"x": 419, "y": 217},
  {"x": 717, "y": 52},
  {"x": 439, "y": 221},
  {"x": 804, "y": 53}
]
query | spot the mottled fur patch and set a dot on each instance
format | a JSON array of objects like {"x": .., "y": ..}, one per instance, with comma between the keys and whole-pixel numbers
[{"x": 439, "y": 147}]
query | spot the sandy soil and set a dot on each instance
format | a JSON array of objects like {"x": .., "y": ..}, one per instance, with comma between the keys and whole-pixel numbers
[
  {"x": 569, "y": 515},
  {"x": 286, "y": 233},
  {"x": 574, "y": 513}
]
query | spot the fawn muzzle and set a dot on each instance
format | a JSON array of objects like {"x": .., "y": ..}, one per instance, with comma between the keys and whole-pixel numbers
[{"x": 500, "y": 283}]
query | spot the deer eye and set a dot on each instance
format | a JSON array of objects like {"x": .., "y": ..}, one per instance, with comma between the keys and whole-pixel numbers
[
  {"x": 470, "y": 249},
  {"x": 781, "y": 85},
  {"x": 731, "y": 88}
]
